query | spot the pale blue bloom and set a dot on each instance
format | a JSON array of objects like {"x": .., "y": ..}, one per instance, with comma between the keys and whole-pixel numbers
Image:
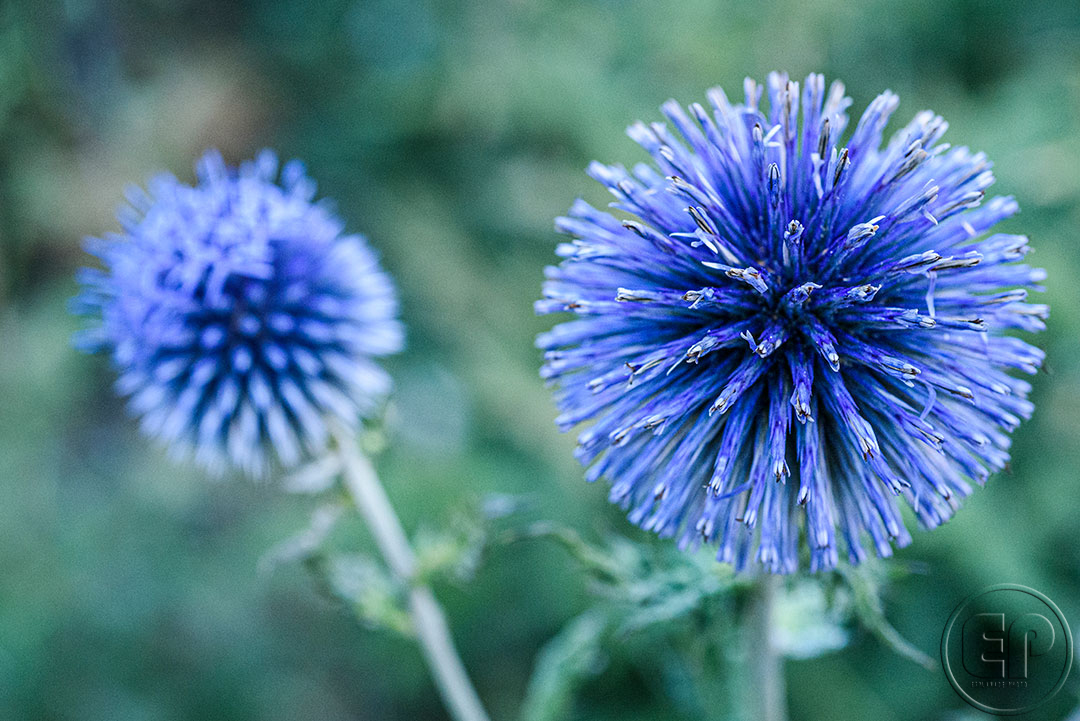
[{"x": 239, "y": 316}]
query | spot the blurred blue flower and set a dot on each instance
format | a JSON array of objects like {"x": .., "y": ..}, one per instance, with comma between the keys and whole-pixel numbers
[
  {"x": 239, "y": 316},
  {"x": 773, "y": 273}
]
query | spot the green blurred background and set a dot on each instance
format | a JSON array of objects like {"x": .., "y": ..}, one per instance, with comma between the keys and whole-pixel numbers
[{"x": 451, "y": 133}]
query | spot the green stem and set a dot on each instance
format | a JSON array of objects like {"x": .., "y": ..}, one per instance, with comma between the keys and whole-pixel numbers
[
  {"x": 769, "y": 696},
  {"x": 429, "y": 621}
]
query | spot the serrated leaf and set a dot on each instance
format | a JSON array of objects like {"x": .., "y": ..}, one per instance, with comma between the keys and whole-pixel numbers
[
  {"x": 593, "y": 559},
  {"x": 496, "y": 506},
  {"x": 306, "y": 543},
  {"x": 869, "y": 611},
  {"x": 666, "y": 607},
  {"x": 805, "y": 625},
  {"x": 567, "y": 660},
  {"x": 378, "y": 600},
  {"x": 454, "y": 552},
  {"x": 315, "y": 477}
]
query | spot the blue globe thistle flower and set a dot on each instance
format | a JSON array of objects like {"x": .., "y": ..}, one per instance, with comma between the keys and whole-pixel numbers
[
  {"x": 792, "y": 331},
  {"x": 239, "y": 316}
]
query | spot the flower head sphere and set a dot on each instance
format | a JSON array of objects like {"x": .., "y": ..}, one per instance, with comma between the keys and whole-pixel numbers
[
  {"x": 792, "y": 332},
  {"x": 239, "y": 315}
]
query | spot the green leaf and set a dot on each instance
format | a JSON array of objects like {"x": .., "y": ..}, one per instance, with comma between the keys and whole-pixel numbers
[
  {"x": 865, "y": 587},
  {"x": 571, "y": 657},
  {"x": 305, "y": 544},
  {"x": 455, "y": 552},
  {"x": 377, "y": 599},
  {"x": 805, "y": 624}
]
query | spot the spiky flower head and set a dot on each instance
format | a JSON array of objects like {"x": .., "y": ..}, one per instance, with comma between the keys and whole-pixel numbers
[
  {"x": 239, "y": 316},
  {"x": 795, "y": 328}
]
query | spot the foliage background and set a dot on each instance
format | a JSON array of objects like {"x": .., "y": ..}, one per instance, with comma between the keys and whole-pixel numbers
[{"x": 451, "y": 133}]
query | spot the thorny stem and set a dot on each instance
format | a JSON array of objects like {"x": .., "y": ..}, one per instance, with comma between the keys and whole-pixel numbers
[
  {"x": 428, "y": 618},
  {"x": 768, "y": 693}
]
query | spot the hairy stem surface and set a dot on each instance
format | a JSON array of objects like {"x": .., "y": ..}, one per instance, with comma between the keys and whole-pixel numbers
[{"x": 429, "y": 621}]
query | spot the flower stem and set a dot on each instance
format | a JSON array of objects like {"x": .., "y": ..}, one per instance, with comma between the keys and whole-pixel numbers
[
  {"x": 428, "y": 619},
  {"x": 769, "y": 702}
]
